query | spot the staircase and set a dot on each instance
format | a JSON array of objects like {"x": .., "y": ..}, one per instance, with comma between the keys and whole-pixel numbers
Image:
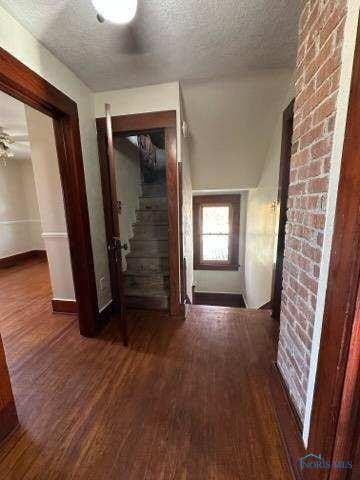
[{"x": 147, "y": 274}]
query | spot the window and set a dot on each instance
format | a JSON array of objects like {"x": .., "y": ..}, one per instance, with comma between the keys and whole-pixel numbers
[{"x": 216, "y": 232}]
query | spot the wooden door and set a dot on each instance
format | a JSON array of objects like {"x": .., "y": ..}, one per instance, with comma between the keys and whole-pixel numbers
[{"x": 114, "y": 243}]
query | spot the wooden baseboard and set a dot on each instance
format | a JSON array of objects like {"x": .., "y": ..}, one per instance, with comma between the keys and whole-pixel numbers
[
  {"x": 19, "y": 258},
  {"x": 266, "y": 306},
  {"x": 218, "y": 299},
  {"x": 288, "y": 422},
  {"x": 64, "y": 306}
]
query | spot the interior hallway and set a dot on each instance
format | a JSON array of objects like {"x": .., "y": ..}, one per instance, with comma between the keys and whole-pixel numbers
[{"x": 187, "y": 400}]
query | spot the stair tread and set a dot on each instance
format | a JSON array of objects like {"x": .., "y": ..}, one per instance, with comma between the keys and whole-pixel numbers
[
  {"x": 133, "y": 273},
  {"x": 151, "y": 209},
  {"x": 152, "y": 224},
  {"x": 150, "y": 239},
  {"x": 135, "y": 292},
  {"x": 149, "y": 255},
  {"x": 164, "y": 197}
]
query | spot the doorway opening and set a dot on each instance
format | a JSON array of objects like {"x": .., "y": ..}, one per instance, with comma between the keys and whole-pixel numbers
[
  {"x": 140, "y": 161},
  {"x": 158, "y": 195},
  {"x": 32, "y": 216},
  {"x": 218, "y": 247},
  {"x": 24, "y": 85}
]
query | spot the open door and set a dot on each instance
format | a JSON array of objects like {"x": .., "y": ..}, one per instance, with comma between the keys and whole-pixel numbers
[{"x": 114, "y": 243}]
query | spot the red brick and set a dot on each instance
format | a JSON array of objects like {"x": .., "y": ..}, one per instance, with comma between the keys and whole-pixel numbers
[
  {"x": 311, "y": 252},
  {"x": 316, "y": 85},
  {"x": 311, "y": 136},
  {"x": 332, "y": 23},
  {"x": 328, "y": 68},
  {"x": 318, "y": 185},
  {"x": 321, "y": 148},
  {"x": 309, "y": 282},
  {"x": 300, "y": 158},
  {"x": 324, "y": 110}
]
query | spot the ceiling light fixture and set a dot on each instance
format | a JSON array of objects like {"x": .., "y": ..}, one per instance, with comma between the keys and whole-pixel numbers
[
  {"x": 5, "y": 150},
  {"x": 116, "y": 11}
]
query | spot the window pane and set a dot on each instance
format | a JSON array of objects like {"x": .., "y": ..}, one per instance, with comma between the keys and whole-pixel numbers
[
  {"x": 215, "y": 248},
  {"x": 215, "y": 219}
]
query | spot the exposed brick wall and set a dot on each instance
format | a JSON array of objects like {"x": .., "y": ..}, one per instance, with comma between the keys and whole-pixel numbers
[{"x": 317, "y": 80}]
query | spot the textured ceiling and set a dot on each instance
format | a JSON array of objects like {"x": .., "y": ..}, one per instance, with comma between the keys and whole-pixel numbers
[
  {"x": 13, "y": 121},
  {"x": 169, "y": 39}
]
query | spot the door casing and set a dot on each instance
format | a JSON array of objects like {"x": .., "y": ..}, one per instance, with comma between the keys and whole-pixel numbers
[
  {"x": 132, "y": 124},
  {"x": 20, "y": 82}
]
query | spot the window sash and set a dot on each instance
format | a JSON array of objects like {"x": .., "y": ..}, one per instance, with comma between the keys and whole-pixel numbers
[{"x": 232, "y": 202}]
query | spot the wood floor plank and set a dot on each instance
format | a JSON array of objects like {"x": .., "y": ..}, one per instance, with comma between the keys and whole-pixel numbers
[{"x": 188, "y": 400}]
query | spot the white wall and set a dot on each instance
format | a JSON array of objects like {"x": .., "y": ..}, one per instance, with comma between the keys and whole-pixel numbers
[
  {"x": 51, "y": 204},
  {"x": 128, "y": 186},
  {"x": 263, "y": 219},
  {"x": 231, "y": 123},
  {"x": 226, "y": 281},
  {"x": 20, "y": 227},
  {"x": 152, "y": 98},
  {"x": 20, "y": 43},
  {"x": 187, "y": 210}
]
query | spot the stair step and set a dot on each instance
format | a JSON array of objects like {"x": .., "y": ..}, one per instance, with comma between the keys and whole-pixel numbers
[
  {"x": 153, "y": 203},
  {"x": 152, "y": 217},
  {"x": 154, "y": 189},
  {"x": 146, "y": 282},
  {"x": 148, "y": 247},
  {"x": 147, "y": 299},
  {"x": 147, "y": 264},
  {"x": 147, "y": 231}
]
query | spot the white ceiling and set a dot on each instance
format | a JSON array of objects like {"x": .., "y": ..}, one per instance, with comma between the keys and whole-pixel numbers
[
  {"x": 232, "y": 122},
  {"x": 169, "y": 39},
  {"x": 13, "y": 121}
]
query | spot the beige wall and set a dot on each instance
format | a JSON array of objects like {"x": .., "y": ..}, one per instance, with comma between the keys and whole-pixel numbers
[
  {"x": 226, "y": 281},
  {"x": 20, "y": 43},
  {"x": 51, "y": 204},
  {"x": 152, "y": 98},
  {"x": 262, "y": 227},
  {"x": 187, "y": 210},
  {"x": 20, "y": 227},
  {"x": 128, "y": 185},
  {"x": 231, "y": 123}
]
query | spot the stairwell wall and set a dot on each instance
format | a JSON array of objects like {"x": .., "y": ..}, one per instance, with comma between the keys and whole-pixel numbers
[{"x": 128, "y": 186}]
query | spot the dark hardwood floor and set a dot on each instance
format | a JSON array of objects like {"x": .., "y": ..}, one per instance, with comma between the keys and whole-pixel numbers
[{"x": 186, "y": 401}]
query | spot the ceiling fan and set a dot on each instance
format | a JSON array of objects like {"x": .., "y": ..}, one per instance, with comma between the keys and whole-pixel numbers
[{"x": 6, "y": 141}]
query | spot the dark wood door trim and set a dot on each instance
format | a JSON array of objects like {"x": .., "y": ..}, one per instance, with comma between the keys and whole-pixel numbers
[
  {"x": 284, "y": 180},
  {"x": 334, "y": 422},
  {"x": 289, "y": 423},
  {"x": 133, "y": 124},
  {"x": 27, "y": 86},
  {"x": 142, "y": 121},
  {"x": 172, "y": 177}
]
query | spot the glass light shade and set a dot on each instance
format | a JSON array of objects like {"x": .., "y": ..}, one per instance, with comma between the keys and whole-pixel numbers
[{"x": 116, "y": 11}]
